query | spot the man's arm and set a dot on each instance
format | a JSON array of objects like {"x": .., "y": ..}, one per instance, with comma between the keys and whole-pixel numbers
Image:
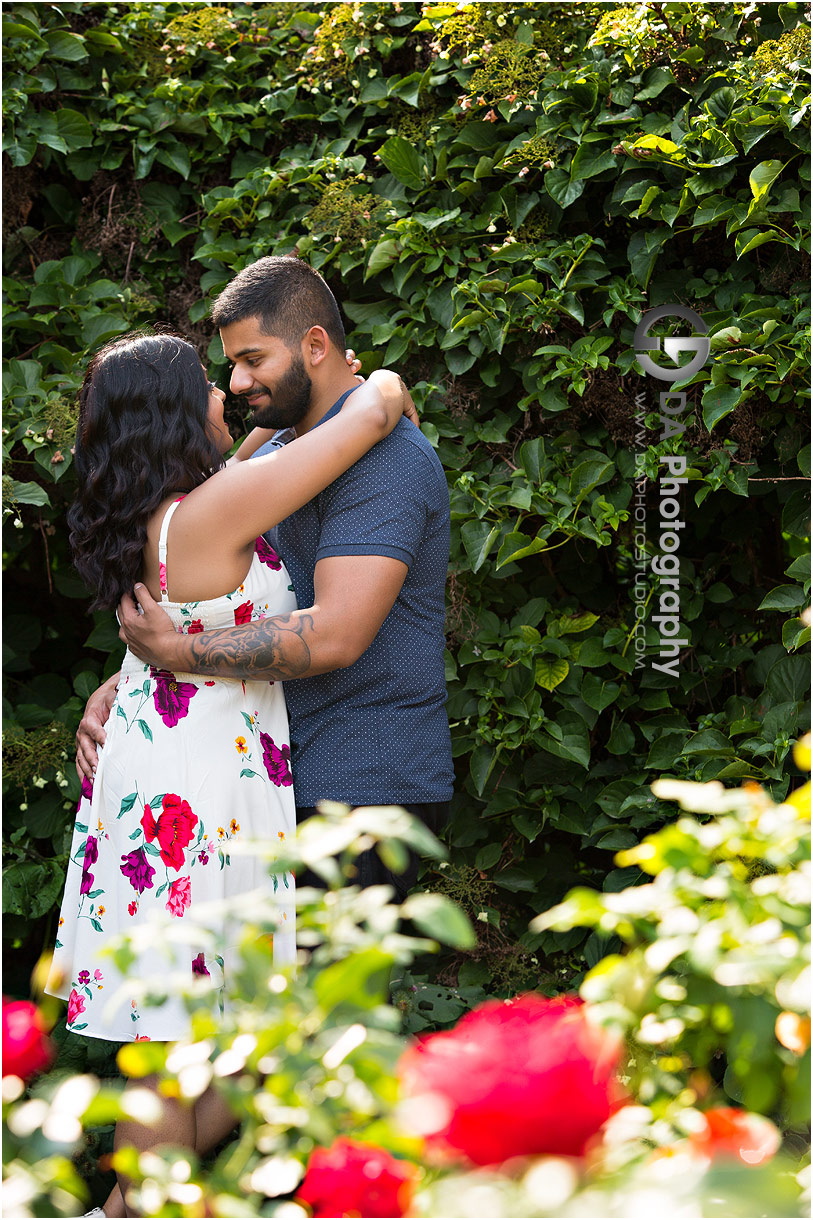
[{"x": 353, "y": 594}]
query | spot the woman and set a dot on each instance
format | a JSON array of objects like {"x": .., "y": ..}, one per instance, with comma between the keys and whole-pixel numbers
[{"x": 189, "y": 765}]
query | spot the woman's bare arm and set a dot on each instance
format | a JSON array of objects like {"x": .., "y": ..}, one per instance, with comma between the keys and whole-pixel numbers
[
  {"x": 239, "y": 503},
  {"x": 260, "y": 436}
]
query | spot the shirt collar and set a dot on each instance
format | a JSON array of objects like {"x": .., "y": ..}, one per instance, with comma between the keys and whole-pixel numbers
[{"x": 337, "y": 406}]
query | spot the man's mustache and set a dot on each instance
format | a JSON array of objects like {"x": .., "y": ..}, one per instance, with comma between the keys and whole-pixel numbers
[{"x": 254, "y": 394}]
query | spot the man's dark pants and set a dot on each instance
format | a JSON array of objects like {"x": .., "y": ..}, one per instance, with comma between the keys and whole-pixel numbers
[{"x": 370, "y": 868}]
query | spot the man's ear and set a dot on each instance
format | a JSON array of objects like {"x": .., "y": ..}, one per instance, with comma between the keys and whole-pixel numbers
[{"x": 316, "y": 346}]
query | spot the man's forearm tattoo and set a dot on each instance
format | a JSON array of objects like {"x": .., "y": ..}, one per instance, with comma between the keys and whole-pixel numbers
[{"x": 270, "y": 648}]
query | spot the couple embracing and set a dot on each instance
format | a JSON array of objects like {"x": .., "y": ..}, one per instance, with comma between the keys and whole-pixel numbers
[{"x": 344, "y": 603}]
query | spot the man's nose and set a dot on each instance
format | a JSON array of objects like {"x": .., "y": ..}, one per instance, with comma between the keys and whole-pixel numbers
[{"x": 241, "y": 380}]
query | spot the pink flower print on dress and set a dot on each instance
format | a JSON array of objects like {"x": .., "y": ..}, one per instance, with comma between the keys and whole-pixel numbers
[
  {"x": 267, "y": 555},
  {"x": 98, "y": 976},
  {"x": 171, "y": 697},
  {"x": 83, "y": 977},
  {"x": 277, "y": 761},
  {"x": 76, "y": 1004},
  {"x": 138, "y": 869},
  {"x": 91, "y": 856},
  {"x": 243, "y": 613},
  {"x": 162, "y": 576},
  {"x": 173, "y": 830},
  {"x": 87, "y": 788},
  {"x": 180, "y": 896}
]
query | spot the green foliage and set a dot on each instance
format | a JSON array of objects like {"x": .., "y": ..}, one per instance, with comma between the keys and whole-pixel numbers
[
  {"x": 303, "y": 1057},
  {"x": 495, "y": 193},
  {"x": 717, "y": 950}
]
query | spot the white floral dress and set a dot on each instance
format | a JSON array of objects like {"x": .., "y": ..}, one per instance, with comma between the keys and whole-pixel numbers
[{"x": 189, "y": 766}]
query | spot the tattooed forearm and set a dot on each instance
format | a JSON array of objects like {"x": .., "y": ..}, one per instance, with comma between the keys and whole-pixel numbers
[{"x": 275, "y": 649}]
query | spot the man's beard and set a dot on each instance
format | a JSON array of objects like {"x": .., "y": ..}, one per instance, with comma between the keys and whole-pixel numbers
[{"x": 290, "y": 401}]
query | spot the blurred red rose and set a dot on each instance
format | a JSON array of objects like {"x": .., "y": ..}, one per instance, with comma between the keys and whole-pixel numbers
[
  {"x": 353, "y": 1179},
  {"x": 736, "y": 1135},
  {"x": 527, "y": 1078},
  {"x": 26, "y": 1046}
]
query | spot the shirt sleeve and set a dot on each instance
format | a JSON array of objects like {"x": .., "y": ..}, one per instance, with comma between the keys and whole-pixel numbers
[{"x": 380, "y": 506}]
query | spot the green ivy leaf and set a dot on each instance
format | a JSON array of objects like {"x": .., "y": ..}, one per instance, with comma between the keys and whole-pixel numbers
[
  {"x": 748, "y": 240},
  {"x": 763, "y": 176},
  {"x": 561, "y": 187},
  {"x": 62, "y": 45},
  {"x": 404, "y": 161},
  {"x": 718, "y": 402},
  {"x": 599, "y": 693},
  {"x": 550, "y": 671},
  {"x": 784, "y": 597},
  {"x": 517, "y": 546},
  {"x": 176, "y": 156},
  {"x": 478, "y": 539},
  {"x": 568, "y": 624},
  {"x": 481, "y": 765},
  {"x": 383, "y": 255},
  {"x": 437, "y": 916},
  {"x": 30, "y": 493}
]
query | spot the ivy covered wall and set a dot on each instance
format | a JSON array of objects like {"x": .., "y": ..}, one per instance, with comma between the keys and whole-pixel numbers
[{"x": 495, "y": 193}]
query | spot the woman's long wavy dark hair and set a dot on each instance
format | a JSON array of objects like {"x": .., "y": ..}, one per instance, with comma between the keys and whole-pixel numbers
[{"x": 142, "y": 434}]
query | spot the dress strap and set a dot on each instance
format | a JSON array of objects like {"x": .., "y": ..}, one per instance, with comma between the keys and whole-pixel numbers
[{"x": 162, "y": 548}]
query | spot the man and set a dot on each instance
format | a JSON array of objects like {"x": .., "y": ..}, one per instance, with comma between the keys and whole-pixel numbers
[{"x": 363, "y": 660}]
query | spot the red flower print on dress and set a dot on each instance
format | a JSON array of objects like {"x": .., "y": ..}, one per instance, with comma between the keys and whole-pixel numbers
[
  {"x": 171, "y": 697},
  {"x": 277, "y": 761},
  {"x": 243, "y": 613},
  {"x": 267, "y": 555},
  {"x": 199, "y": 965},
  {"x": 138, "y": 869},
  {"x": 195, "y": 627},
  {"x": 179, "y": 896},
  {"x": 91, "y": 856},
  {"x": 76, "y": 1004},
  {"x": 142, "y": 1038},
  {"x": 173, "y": 830},
  {"x": 132, "y": 908}
]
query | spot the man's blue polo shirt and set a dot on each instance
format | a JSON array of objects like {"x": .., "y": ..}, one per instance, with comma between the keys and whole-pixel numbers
[{"x": 376, "y": 732}]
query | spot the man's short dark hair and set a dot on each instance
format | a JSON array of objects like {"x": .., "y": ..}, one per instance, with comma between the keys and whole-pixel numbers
[{"x": 286, "y": 295}]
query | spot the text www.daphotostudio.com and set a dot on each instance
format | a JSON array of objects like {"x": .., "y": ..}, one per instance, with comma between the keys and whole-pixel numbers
[{"x": 665, "y": 562}]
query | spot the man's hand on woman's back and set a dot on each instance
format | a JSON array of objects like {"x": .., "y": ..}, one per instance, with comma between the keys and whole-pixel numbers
[{"x": 91, "y": 732}]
